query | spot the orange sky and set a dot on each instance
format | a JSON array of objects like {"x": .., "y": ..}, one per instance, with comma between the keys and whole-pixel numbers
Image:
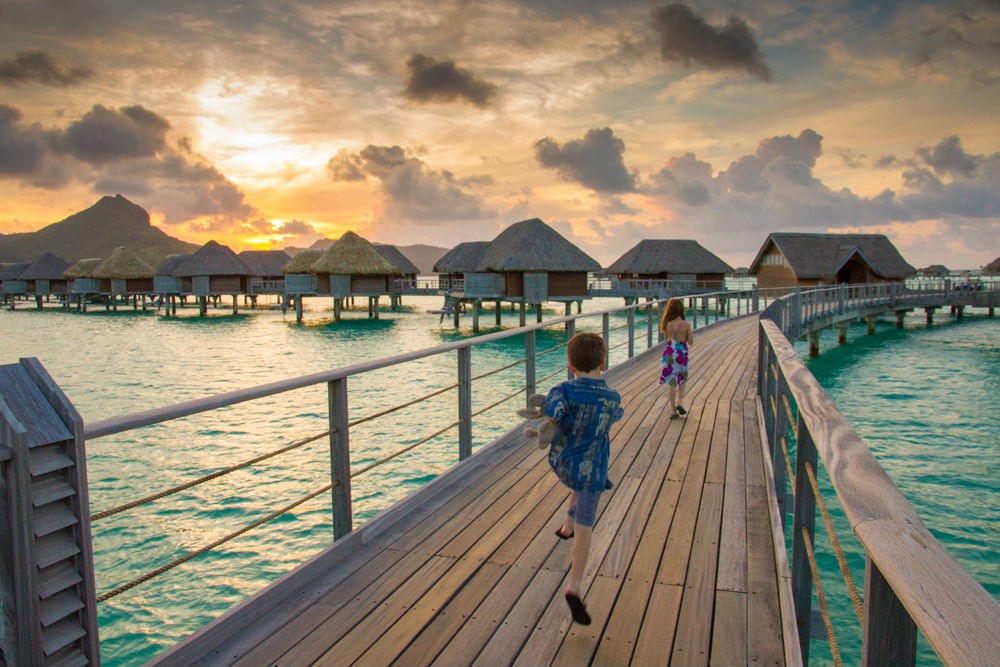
[{"x": 417, "y": 122}]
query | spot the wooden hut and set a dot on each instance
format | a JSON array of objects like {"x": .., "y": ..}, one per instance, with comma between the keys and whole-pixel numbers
[
  {"x": 351, "y": 267},
  {"x": 11, "y": 285},
  {"x": 267, "y": 277},
  {"x": 81, "y": 283},
  {"x": 935, "y": 271},
  {"x": 790, "y": 259},
  {"x": 460, "y": 260},
  {"x": 45, "y": 277},
  {"x": 531, "y": 263},
  {"x": 123, "y": 274},
  {"x": 409, "y": 271},
  {"x": 214, "y": 270},
  {"x": 683, "y": 265}
]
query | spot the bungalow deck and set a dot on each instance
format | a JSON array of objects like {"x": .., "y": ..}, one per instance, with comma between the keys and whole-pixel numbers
[{"x": 687, "y": 566}]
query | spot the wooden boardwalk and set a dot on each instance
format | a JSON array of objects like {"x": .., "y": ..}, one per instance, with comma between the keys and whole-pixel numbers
[{"x": 683, "y": 567}]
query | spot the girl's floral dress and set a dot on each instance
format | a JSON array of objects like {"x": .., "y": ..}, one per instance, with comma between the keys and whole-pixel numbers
[{"x": 674, "y": 363}]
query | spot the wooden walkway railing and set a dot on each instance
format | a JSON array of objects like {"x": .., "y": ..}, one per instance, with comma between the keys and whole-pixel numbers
[{"x": 686, "y": 566}]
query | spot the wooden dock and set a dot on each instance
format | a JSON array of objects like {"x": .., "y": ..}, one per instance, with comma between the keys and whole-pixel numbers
[{"x": 685, "y": 566}]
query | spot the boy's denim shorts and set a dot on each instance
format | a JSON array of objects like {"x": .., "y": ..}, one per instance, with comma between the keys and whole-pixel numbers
[{"x": 584, "y": 510}]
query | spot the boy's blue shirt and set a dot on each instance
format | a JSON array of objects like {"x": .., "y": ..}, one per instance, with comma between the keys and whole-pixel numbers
[{"x": 584, "y": 408}]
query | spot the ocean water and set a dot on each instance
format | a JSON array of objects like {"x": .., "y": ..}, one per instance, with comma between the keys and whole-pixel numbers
[
  {"x": 926, "y": 400},
  {"x": 114, "y": 363}
]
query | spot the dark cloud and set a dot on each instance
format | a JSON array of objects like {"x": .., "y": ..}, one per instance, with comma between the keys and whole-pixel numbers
[
  {"x": 432, "y": 80},
  {"x": 594, "y": 161},
  {"x": 689, "y": 39},
  {"x": 949, "y": 158},
  {"x": 106, "y": 135},
  {"x": 411, "y": 191},
  {"x": 26, "y": 154},
  {"x": 295, "y": 228},
  {"x": 40, "y": 67}
]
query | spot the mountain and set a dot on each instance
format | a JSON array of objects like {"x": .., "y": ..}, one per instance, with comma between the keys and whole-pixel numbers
[
  {"x": 424, "y": 256},
  {"x": 993, "y": 267},
  {"x": 96, "y": 232}
]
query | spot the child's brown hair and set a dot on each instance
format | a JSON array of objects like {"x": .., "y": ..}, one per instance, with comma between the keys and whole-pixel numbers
[
  {"x": 585, "y": 352},
  {"x": 675, "y": 309}
]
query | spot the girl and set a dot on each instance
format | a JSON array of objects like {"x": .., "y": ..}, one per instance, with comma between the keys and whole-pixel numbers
[{"x": 674, "y": 363}]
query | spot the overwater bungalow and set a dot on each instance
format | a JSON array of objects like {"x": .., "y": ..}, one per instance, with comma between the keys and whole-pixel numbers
[
  {"x": 214, "y": 270},
  {"x": 668, "y": 266},
  {"x": 81, "y": 283},
  {"x": 409, "y": 271},
  {"x": 123, "y": 274},
  {"x": 267, "y": 275},
  {"x": 460, "y": 260},
  {"x": 45, "y": 278},
  {"x": 351, "y": 267},
  {"x": 792, "y": 259},
  {"x": 934, "y": 271},
  {"x": 11, "y": 285}
]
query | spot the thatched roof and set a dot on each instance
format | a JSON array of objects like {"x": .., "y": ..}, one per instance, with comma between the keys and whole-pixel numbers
[
  {"x": 531, "y": 245},
  {"x": 353, "y": 255},
  {"x": 265, "y": 262},
  {"x": 463, "y": 258},
  {"x": 935, "y": 270},
  {"x": 168, "y": 267},
  {"x": 13, "y": 271},
  {"x": 213, "y": 259},
  {"x": 822, "y": 255},
  {"x": 397, "y": 258},
  {"x": 652, "y": 256},
  {"x": 46, "y": 267},
  {"x": 123, "y": 264},
  {"x": 303, "y": 261},
  {"x": 83, "y": 268}
]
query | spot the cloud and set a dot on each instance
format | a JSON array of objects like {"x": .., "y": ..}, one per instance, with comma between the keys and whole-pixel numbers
[
  {"x": 25, "y": 152},
  {"x": 40, "y": 67},
  {"x": 431, "y": 80},
  {"x": 775, "y": 188},
  {"x": 105, "y": 135},
  {"x": 295, "y": 228},
  {"x": 594, "y": 161},
  {"x": 689, "y": 39},
  {"x": 410, "y": 190},
  {"x": 949, "y": 158}
]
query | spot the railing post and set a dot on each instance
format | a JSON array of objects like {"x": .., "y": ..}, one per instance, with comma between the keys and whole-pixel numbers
[
  {"x": 805, "y": 517},
  {"x": 797, "y": 313},
  {"x": 570, "y": 332},
  {"x": 606, "y": 333},
  {"x": 340, "y": 458},
  {"x": 777, "y": 452},
  {"x": 890, "y": 635},
  {"x": 755, "y": 299},
  {"x": 649, "y": 324},
  {"x": 529, "y": 365},
  {"x": 464, "y": 403},
  {"x": 631, "y": 332}
]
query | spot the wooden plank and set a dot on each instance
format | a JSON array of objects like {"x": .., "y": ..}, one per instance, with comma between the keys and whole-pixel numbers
[
  {"x": 655, "y": 642},
  {"x": 732, "y": 540},
  {"x": 694, "y": 623},
  {"x": 729, "y": 630},
  {"x": 765, "y": 641}
]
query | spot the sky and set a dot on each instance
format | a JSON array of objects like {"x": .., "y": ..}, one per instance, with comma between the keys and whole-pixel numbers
[{"x": 273, "y": 123}]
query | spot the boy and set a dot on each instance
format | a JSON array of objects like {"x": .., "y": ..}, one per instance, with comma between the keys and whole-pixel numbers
[{"x": 583, "y": 410}]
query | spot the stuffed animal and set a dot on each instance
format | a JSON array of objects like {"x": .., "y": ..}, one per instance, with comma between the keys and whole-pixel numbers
[{"x": 539, "y": 427}]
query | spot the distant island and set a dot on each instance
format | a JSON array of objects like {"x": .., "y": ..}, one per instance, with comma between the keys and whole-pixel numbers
[{"x": 115, "y": 221}]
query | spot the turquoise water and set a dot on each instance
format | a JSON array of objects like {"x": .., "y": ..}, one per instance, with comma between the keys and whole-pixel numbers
[
  {"x": 109, "y": 364},
  {"x": 927, "y": 402}
]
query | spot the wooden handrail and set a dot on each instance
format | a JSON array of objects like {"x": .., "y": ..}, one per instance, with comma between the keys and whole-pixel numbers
[{"x": 955, "y": 613}]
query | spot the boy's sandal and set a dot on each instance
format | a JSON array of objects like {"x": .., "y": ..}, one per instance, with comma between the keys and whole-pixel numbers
[
  {"x": 578, "y": 609},
  {"x": 561, "y": 535},
  {"x": 674, "y": 415}
]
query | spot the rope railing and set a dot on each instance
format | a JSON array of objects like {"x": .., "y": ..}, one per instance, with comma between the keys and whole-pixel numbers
[
  {"x": 208, "y": 547},
  {"x": 831, "y": 636},
  {"x": 397, "y": 454}
]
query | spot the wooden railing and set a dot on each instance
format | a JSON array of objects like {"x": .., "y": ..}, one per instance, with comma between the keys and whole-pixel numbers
[{"x": 911, "y": 582}]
